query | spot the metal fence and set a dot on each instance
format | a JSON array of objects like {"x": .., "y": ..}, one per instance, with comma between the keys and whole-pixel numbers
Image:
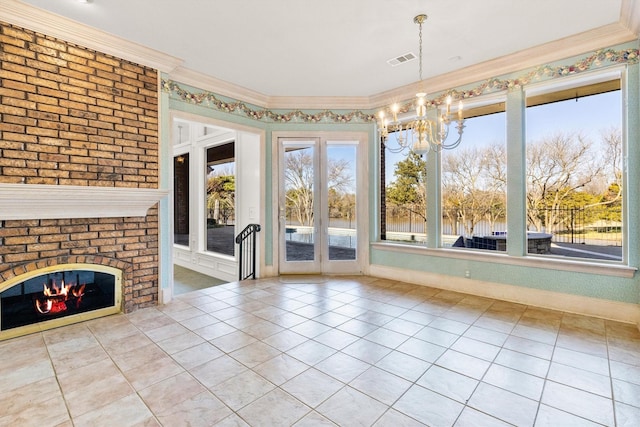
[{"x": 597, "y": 225}]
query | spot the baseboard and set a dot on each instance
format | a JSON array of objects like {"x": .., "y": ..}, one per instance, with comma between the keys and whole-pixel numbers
[{"x": 606, "y": 309}]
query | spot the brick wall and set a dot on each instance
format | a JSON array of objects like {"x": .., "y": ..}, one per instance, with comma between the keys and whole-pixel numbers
[{"x": 73, "y": 116}]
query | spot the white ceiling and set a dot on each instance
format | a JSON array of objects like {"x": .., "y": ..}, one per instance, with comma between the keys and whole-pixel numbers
[{"x": 335, "y": 47}]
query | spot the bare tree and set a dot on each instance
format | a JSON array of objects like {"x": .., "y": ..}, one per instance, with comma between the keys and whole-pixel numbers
[
  {"x": 473, "y": 182},
  {"x": 557, "y": 167},
  {"x": 299, "y": 185},
  {"x": 299, "y": 176}
]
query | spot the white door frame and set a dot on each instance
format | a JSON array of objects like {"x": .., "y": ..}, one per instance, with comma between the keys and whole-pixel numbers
[{"x": 362, "y": 210}]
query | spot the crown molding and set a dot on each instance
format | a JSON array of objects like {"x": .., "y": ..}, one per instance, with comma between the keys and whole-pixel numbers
[
  {"x": 32, "y": 18},
  {"x": 218, "y": 86},
  {"x": 608, "y": 35},
  {"x": 27, "y": 16},
  {"x": 41, "y": 201},
  {"x": 630, "y": 15}
]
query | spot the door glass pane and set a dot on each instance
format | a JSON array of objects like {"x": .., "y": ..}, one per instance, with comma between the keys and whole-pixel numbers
[
  {"x": 299, "y": 177},
  {"x": 220, "y": 198},
  {"x": 341, "y": 200}
]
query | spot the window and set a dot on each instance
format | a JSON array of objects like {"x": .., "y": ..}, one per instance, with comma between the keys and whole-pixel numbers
[
  {"x": 181, "y": 199},
  {"x": 474, "y": 183},
  {"x": 404, "y": 196},
  {"x": 220, "y": 198},
  {"x": 574, "y": 171}
]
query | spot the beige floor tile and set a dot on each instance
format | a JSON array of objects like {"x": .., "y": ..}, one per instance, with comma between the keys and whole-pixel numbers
[
  {"x": 504, "y": 405},
  {"x": 627, "y": 416},
  {"x": 486, "y": 335},
  {"x": 367, "y": 351},
  {"x": 449, "y": 325},
  {"x": 530, "y": 347},
  {"x": 164, "y": 395},
  {"x": 535, "y": 334},
  {"x": 624, "y": 371},
  {"x": 577, "y": 402},
  {"x": 375, "y": 318},
  {"x": 314, "y": 419},
  {"x": 336, "y": 339},
  {"x": 311, "y": 352},
  {"x": 421, "y": 349},
  {"x": 523, "y": 362},
  {"x": 214, "y": 331},
  {"x": 381, "y": 385},
  {"x": 580, "y": 379},
  {"x": 552, "y": 417},
  {"x": 275, "y": 408},
  {"x": 232, "y": 421},
  {"x": 152, "y": 372},
  {"x": 16, "y": 401},
  {"x": 244, "y": 388},
  {"x": 357, "y": 327},
  {"x": 463, "y": 364},
  {"x": 180, "y": 342},
  {"x": 310, "y": 328},
  {"x": 393, "y": 418},
  {"x": 217, "y": 370},
  {"x": 514, "y": 381},
  {"x": 128, "y": 411},
  {"x": 595, "y": 364},
  {"x": 262, "y": 330},
  {"x": 402, "y": 326},
  {"x": 285, "y": 340},
  {"x": 197, "y": 355},
  {"x": 92, "y": 396},
  {"x": 595, "y": 346},
  {"x": 254, "y": 354},
  {"x": 199, "y": 322},
  {"x": 387, "y": 337},
  {"x": 339, "y": 408},
  {"x": 20, "y": 377},
  {"x": 127, "y": 360},
  {"x": 49, "y": 412},
  {"x": 428, "y": 407},
  {"x": 448, "y": 383},
  {"x": 233, "y": 341},
  {"x": 312, "y": 387},
  {"x": 342, "y": 367},
  {"x": 626, "y": 392},
  {"x": 476, "y": 348},
  {"x": 417, "y": 317},
  {"x": 488, "y": 321},
  {"x": 408, "y": 367},
  {"x": 280, "y": 368},
  {"x": 437, "y": 336},
  {"x": 472, "y": 418},
  {"x": 203, "y": 409}
]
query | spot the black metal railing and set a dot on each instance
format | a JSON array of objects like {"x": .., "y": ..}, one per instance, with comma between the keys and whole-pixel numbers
[{"x": 247, "y": 241}]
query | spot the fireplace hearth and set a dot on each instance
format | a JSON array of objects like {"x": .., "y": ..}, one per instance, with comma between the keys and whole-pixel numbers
[{"x": 49, "y": 298}]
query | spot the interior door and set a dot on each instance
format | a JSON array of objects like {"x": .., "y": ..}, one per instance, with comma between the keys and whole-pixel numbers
[{"x": 318, "y": 205}]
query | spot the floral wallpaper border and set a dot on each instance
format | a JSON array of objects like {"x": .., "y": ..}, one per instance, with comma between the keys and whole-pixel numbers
[{"x": 595, "y": 60}]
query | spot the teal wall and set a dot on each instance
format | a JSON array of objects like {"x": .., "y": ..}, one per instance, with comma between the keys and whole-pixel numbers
[{"x": 603, "y": 286}]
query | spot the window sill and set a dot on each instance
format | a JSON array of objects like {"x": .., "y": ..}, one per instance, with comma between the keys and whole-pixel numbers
[{"x": 549, "y": 263}]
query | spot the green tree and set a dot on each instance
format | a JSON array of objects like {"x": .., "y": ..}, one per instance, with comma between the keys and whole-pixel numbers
[
  {"x": 409, "y": 189},
  {"x": 221, "y": 192}
]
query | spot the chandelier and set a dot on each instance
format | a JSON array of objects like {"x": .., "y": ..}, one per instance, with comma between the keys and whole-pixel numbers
[{"x": 422, "y": 134}]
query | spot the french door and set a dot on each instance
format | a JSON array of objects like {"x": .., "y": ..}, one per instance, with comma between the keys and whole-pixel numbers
[{"x": 320, "y": 207}]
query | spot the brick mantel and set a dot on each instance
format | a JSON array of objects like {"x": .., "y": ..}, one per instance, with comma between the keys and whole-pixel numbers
[{"x": 24, "y": 201}]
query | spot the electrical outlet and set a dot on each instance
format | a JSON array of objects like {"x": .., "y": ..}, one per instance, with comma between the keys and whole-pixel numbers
[{"x": 467, "y": 274}]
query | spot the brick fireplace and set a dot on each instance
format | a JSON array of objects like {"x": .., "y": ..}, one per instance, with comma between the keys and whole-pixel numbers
[{"x": 78, "y": 162}]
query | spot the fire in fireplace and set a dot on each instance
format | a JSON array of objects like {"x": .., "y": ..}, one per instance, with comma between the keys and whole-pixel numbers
[{"x": 51, "y": 295}]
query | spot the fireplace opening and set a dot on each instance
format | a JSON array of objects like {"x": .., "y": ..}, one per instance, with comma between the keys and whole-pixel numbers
[{"x": 51, "y": 298}]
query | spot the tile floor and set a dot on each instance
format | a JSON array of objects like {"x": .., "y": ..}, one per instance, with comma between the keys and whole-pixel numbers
[{"x": 315, "y": 351}]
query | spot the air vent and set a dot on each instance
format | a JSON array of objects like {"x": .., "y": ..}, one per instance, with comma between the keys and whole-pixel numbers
[{"x": 401, "y": 59}]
